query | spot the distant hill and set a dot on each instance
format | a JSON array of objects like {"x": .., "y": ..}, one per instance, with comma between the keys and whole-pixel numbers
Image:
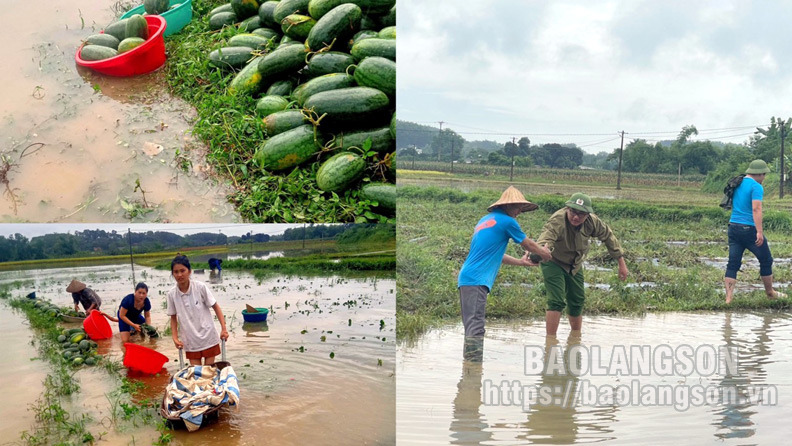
[{"x": 412, "y": 134}]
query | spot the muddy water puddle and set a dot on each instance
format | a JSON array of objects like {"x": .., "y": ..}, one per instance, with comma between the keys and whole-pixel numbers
[
  {"x": 18, "y": 372},
  {"x": 442, "y": 396},
  {"x": 292, "y": 391},
  {"x": 78, "y": 143}
]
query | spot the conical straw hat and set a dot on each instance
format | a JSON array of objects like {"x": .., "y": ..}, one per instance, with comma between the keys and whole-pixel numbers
[
  {"x": 75, "y": 286},
  {"x": 513, "y": 196}
]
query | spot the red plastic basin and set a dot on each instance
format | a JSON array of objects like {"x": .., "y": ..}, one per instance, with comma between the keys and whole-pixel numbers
[
  {"x": 143, "y": 359},
  {"x": 141, "y": 60},
  {"x": 97, "y": 327}
]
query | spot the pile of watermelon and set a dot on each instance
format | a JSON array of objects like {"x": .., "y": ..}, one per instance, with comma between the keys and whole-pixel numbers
[
  {"x": 118, "y": 38},
  {"x": 324, "y": 75},
  {"x": 76, "y": 348}
]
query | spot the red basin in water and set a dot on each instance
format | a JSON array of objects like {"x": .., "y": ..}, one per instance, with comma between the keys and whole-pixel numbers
[{"x": 141, "y": 60}]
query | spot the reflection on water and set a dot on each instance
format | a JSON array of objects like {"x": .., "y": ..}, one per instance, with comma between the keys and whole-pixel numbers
[
  {"x": 444, "y": 397},
  {"x": 215, "y": 277},
  {"x": 736, "y": 419},
  {"x": 258, "y": 255},
  {"x": 291, "y": 387}
]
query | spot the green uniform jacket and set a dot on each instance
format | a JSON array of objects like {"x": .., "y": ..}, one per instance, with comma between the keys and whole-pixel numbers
[{"x": 569, "y": 245}]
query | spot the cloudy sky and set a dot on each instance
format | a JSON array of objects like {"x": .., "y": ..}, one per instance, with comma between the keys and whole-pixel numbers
[
  {"x": 581, "y": 71},
  {"x": 33, "y": 230}
]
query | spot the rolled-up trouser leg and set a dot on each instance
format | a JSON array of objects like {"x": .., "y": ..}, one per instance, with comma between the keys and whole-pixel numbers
[{"x": 473, "y": 300}]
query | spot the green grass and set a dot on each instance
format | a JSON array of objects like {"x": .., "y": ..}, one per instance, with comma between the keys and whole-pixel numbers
[
  {"x": 347, "y": 263},
  {"x": 232, "y": 133},
  {"x": 160, "y": 257},
  {"x": 567, "y": 176},
  {"x": 431, "y": 250}
]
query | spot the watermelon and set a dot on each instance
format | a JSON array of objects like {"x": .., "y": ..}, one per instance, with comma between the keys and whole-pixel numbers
[
  {"x": 103, "y": 40},
  {"x": 297, "y": 26},
  {"x": 282, "y": 121},
  {"x": 97, "y": 52},
  {"x": 334, "y": 28},
  {"x": 379, "y": 73},
  {"x": 156, "y": 7},
  {"x": 339, "y": 172},
  {"x": 383, "y": 193},
  {"x": 129, "y": 44},
  {"x": 270, "y": 104},
  {"x": 288, "y": 149},
  {"x": 245, "y": 8},
  {"x": 231, "y": 57},
  {"x": 136, "y": 26}
]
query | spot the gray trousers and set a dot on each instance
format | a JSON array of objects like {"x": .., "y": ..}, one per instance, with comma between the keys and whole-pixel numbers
[{"x": 473, "y": 300}]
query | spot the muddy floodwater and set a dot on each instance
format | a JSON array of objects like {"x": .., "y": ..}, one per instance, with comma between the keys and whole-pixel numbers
[
  {"x": 292, "y": 391},
  {"x": 77, "y": 143},
  {"x": 745, "y": 397}
]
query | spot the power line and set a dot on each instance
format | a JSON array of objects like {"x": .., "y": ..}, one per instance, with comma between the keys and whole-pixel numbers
[{"x": 529, "y": 134}]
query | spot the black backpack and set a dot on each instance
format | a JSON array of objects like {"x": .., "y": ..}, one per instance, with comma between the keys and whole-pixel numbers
[{"x": 728, "y": 191}]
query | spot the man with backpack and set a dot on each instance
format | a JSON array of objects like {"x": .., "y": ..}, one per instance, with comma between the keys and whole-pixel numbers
[{"x": 746, "y": 232}]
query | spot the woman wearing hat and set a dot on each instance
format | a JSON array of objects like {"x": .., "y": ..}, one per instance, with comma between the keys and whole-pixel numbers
[
  {"x": 567, "y": 234},
  {"x": 488, "y": 251},
  {"x": 83, "y": 295},
  {"x": 745, "y": 230}
]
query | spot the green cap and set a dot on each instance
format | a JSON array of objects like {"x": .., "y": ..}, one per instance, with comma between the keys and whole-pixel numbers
[
  {"x": 757, "y": 167},
  {"x": 580, "y": 202}
]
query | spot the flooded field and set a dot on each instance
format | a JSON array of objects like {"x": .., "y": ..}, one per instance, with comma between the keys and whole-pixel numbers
[
  {"x": 444, "y": 399},
  {"x": 257, "y": 255},
  {"x": 61, "y": 127},
  {"x": 292, "y": 391}
]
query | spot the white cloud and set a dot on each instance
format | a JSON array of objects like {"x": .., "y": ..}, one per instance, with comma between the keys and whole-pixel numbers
[{"x": 594, "y": 67}]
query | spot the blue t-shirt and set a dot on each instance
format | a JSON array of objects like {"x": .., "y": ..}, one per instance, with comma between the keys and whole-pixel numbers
[
  {"x": 742, "y": 202},
  {"x": 133, "y": 313},
  {"x": 489, "y": 242}
]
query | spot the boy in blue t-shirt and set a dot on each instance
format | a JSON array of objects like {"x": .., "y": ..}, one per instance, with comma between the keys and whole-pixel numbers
[
  {"x": 488, "y": 251},
  {"x": 745, "y": 231}
]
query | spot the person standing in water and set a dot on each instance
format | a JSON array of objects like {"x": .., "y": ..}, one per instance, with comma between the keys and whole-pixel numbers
[
  {"x": 746, "y": 231},
  {"x": 192, "y": 325}
]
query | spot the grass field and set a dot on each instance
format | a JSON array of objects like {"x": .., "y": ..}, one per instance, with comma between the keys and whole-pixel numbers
[
  {"x": 648, "y": 188},
  {"x": 673, "y": 239}
]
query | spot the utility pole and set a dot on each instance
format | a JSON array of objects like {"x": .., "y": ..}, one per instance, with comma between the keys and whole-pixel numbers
[
  {"x": 440, "y": 140},
  {"x": 131, "y": 262},
  {"x": 511, "y": 172},
  {"x": 452, "y": 155},
  {"x": 303, "y": 236},
  {"x": 781, "y": 182},
  {"x": 621, "y": 151},
  {"x": 679, "y": 175},
  {"x": 414, "y": 152}
]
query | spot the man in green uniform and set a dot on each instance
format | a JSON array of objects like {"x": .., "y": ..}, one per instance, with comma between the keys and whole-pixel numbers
[{"x": 567, "y": 235}]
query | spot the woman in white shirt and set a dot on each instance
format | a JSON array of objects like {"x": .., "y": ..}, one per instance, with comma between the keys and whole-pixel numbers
[{"x": 192, "y": 324}]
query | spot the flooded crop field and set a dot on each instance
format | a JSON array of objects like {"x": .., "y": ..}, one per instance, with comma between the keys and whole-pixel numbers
[
  {"x": 63, "y": 126},
  {"x": 322, "y": 366},
  {"x": 445, "y": 399}
]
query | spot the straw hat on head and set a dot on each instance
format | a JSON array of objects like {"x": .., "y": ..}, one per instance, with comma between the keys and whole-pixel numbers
[
  {"x": 76, "y": 286},
  {"x": 513, "y": 196}
]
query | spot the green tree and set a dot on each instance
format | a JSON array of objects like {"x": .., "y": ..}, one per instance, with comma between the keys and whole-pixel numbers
[
  {"x": 766, "y": 143},
  {"x": 442, "y": 145}
]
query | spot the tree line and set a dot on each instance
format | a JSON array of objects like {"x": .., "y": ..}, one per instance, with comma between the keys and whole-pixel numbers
[
  {"x": 681, "y": 155},
  {"x": 100, "y": 242}
]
